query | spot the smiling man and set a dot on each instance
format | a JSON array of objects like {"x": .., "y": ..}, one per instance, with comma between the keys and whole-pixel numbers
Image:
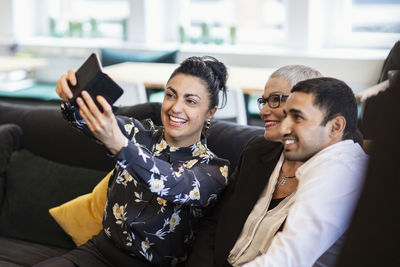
[{"x": 318, "y": 128}]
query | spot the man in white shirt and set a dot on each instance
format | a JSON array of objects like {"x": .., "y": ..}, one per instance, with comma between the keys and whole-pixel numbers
[{"x": 318, "y": 129}]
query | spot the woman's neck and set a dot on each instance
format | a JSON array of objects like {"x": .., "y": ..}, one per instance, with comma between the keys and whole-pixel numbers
[
  {"x": 289, "y": 167},
  {"x": 287, "y": 181}
]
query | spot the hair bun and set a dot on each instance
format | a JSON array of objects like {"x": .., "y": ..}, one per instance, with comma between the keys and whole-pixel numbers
[{"x": 219, "y": 69}]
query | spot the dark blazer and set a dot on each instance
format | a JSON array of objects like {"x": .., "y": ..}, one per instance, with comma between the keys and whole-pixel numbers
[{"x": 219, "y": 232}]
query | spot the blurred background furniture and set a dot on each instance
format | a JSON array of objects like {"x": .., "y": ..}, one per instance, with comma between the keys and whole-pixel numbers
[
  {"x": 370, "y": 104},
  {"x": 112, "y": 57},
  {"x": 18, "y": 72},
  {"x": 235, "y": 107},
  {"x": 8, "y": 64},
  {"x": 134, "y": 93}
]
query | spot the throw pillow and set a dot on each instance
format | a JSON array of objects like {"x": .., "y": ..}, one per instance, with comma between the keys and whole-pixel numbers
[
  {"x": 10, "y": 135},
  {"x": 33, "y": 186},
  {"x": 81, "y": 218}
]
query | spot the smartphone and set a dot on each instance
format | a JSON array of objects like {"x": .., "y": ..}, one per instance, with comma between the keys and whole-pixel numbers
[{"x": 90, "y": 77}]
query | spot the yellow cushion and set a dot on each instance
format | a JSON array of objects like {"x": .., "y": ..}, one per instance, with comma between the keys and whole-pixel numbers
[{"x": 81, "y": 218}]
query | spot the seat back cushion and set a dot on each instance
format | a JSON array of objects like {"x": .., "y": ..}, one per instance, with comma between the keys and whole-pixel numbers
[
  {"x": 227, "y": 139},
  {"x": 33, "y": 186},
  {"x": 48, "y": 135},
  {"x": 10, "y": 136}
]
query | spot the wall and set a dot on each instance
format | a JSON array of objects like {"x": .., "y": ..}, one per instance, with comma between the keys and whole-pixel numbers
[
  {"x": 359, "y": 68},
  {"x": 6, "y": 26}
]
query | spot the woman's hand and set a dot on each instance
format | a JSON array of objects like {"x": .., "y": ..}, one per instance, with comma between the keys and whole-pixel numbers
[
  {"x": 62, "y": 89},
  {"x": 104, "y": 125}
]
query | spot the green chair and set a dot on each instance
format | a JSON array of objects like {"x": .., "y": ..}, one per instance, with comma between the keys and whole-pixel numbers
[{"x": 110, "y": 57}]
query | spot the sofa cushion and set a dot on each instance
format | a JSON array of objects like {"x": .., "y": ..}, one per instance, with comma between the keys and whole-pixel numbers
[
  {"x": 48, "y": 135},
  {"x": 33, "y": 186},
  {"x": 81, "y": 218},
  {"x": 227, "y": 139},
  {"x": 10, "y": 135},
  {"x": 19, "y": 253}
]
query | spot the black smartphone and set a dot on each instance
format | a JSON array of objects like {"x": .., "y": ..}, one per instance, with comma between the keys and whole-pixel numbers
[{"x": 90, "y": 77}]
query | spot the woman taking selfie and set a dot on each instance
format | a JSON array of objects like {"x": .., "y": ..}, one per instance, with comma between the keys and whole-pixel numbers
[{"x": 164, "y": 178}]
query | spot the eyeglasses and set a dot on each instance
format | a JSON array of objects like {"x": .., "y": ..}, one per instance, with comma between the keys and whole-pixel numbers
[{"x": 274, "y": 101}]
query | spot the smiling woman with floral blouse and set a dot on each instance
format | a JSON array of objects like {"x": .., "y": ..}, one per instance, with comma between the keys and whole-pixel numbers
[{"x": 164, "y": 178}]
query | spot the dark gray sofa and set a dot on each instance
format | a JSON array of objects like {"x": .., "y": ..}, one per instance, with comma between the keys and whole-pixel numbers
[{"x": 56, "y": 163}]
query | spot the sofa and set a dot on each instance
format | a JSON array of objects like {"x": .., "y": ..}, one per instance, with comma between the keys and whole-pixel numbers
[{"x": 50, "y": 163}]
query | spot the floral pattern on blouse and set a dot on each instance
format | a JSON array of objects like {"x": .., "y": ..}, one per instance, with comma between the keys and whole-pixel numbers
[{"x": 157, "y": 193}]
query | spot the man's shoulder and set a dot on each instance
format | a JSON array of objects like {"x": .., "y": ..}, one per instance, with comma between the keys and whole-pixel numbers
[
  {"x": 345, "y": 156},
  {"x": 344, "y": 151}
]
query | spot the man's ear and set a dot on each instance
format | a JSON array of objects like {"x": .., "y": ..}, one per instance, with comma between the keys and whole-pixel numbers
[{"x": 337, "y": 126}]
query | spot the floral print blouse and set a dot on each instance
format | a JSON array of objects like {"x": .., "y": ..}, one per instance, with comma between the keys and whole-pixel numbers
[{"x": 157, "y": 193}]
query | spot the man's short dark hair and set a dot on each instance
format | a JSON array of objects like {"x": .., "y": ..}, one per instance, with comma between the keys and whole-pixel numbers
[{"x": 334, "y": 97}]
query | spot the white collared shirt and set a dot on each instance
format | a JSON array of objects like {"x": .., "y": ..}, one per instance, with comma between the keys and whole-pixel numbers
[{"x": 329, "y": 186}]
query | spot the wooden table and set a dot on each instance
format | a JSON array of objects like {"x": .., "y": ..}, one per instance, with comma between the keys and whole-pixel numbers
[
  {"x": 8, "y": 64},
  {"x": 156, "y": 75}
]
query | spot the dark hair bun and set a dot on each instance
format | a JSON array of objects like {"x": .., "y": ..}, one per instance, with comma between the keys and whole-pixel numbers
[{"x": 219, "y": 69}]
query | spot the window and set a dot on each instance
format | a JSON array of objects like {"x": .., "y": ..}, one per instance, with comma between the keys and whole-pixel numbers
[
  {"x": 71, "y": 18},
  {"x": 381, "y": 16},
  {"x": 365, "y": 23},
  {"x": 88, "y": 18},
  {"x": 234, "y": 21}
]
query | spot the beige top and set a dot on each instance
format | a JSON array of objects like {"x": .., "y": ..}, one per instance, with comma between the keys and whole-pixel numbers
[{"x": 261, "y": 225}]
